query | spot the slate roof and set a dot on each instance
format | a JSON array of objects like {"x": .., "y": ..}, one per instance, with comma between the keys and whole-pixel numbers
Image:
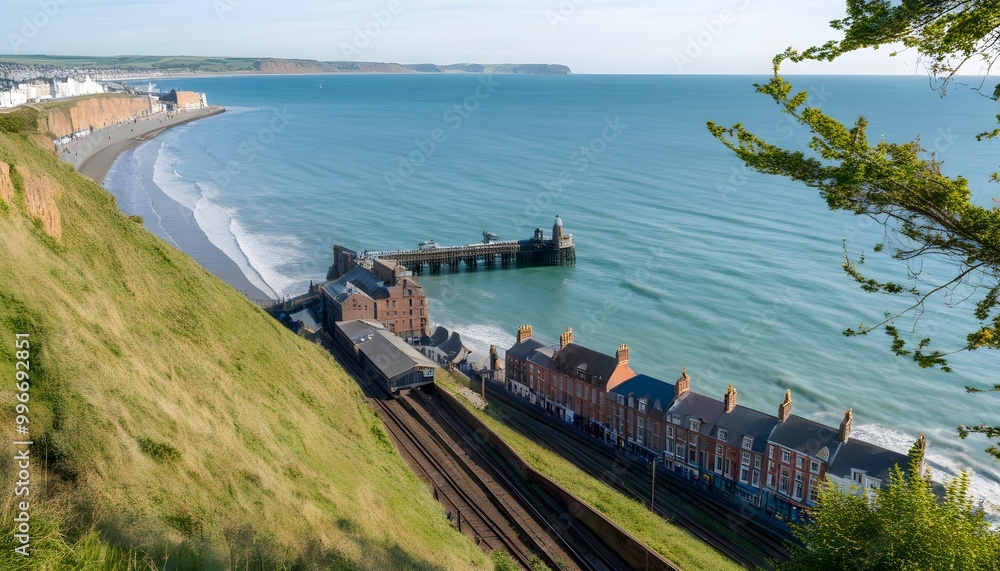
[
  {"x": 658, "y": 394},
  {"x": 575, "y": 357},
  {"x": 873, "y": 460},
  {"x": 743, "y": 421},
  {"x": 360, "y": 278},
  {"x": 524, "y": 349},
  {"x": 392, "y": 355},
  {"x": 806, "y": 436},
  {"x": 543, "y": 356},
  {"x": 695, "y": 406}
]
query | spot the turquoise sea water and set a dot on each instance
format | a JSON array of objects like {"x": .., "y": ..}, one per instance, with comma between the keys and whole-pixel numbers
[{"x": 681, "y": 253}]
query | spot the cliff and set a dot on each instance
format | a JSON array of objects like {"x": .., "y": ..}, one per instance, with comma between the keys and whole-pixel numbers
[
  {"x": 174, "y": 424},
  {"x": 65, "y": 117}
]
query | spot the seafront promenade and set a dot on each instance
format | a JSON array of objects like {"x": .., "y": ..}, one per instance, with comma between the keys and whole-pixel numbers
[{"x": 93, "y": 155}]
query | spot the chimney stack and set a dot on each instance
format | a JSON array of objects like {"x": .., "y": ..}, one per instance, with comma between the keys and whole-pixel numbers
[
  {"x": 730, "y": 399},
  {"x": 566, "y": 338},
  {"x": 683, "y": 384},
  {"x": 622, "y": 354},
  {"x": 785, "y": 409},
  {"x": 845, "y": 426},
  {"x": 523, "y": 333}
]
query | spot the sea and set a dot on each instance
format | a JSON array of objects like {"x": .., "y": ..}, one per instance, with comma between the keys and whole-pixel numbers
[{"x": 683, "y": 254}]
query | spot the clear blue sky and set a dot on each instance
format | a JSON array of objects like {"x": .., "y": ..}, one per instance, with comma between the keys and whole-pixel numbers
[{"x": 590, "y": 36}]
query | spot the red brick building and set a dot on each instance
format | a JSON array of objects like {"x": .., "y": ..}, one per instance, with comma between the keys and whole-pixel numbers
[
  {"x": 386, "y": 293},
  {"x": 567, "y": 379}
]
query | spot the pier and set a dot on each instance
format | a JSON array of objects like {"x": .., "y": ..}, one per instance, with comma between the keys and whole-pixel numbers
[{"x": 555, "y": 249}]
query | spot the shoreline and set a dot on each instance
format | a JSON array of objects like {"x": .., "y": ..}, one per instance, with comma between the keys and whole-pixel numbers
[{"x": 94, "y": 156}]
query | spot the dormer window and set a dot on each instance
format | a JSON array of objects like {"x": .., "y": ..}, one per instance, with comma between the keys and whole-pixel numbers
[
  {"x": 642, "y": 406},
  {"x": 723, "y": 434},
  {"x": 694, "y": 425},
  {"x": 747, "y": 443}
]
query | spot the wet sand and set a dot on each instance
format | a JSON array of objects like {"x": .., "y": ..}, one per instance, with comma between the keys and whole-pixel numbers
[{"x": 94, "y": 155}]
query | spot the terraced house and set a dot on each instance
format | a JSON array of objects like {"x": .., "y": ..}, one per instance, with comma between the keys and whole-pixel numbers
[
  {"x": 567, "y": 380},
  {"x": 758, "y": 460}
]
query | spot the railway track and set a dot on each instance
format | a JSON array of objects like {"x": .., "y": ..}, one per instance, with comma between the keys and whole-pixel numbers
[
  {"x": 477, "y": 490},
  {"x": 579, "y": 543},
  {"x": 738, "y": 535}
]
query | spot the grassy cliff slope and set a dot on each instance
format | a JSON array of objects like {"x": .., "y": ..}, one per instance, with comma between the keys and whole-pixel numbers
[{"x": 174, "y": 423}]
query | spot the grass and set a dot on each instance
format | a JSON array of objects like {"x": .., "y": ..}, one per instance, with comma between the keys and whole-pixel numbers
[
  {"x": 177, "y": 426},
  {"x": 671, "y": 541}
]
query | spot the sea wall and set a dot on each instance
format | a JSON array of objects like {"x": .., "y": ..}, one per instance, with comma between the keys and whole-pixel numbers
[{"x": 96, "y": 112}]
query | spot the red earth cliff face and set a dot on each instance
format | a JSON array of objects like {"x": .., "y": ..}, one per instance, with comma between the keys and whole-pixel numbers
[{"x": 96, "y": 112}]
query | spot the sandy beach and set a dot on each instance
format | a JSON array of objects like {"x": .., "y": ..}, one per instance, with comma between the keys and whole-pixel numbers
[{"x": 94, "y": 155}]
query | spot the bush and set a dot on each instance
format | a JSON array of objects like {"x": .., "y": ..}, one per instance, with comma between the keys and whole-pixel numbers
[{"x": 23, "y": 120}]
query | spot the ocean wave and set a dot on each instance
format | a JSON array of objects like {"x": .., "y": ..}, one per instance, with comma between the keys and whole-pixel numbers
[
  {"x": 165, "y": 175},
  {"x": 265, "y": 253},
  {"x": 479, "y": 336},
  {"x": 216, "y": 222}
]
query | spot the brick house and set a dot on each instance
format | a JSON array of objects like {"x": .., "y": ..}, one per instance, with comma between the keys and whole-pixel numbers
[{"x": 567, "y": 380}]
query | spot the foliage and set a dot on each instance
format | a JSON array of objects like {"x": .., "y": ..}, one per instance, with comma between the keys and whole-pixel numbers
[
  {"x": 925, "y": 214},
  {"x": 901, "y": 526},
  {"x": 22, "y": 120}
]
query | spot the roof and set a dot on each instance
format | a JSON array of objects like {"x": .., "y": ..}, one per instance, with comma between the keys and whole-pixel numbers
[
  {"x": 392, "y": 355},
  {"x": 659, "y": 394},
  {"x": 525, "y": 348},
  {"x": 450, "y": 343},
  {"x": 743, "y": 421},
  {"x": 874, "y": 460},
  {"x": 575, "y": 357},
  {"x": 695, "y": 406},
  {"x": 360, "y": 278},
  {"x": 807, "y": 436},
  {"x": 543, "y": 356},
  {"x": 307, "y": 317}
]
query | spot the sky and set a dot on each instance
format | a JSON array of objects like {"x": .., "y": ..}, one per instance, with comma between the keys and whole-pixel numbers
[{"x": 590, "y": 36}]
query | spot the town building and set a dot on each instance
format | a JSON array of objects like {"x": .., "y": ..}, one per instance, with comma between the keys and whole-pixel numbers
[
  {"x": 567, "y": 380},
  {"x": 740, "y": 441},
  {"x": 385, "y": 358},
  {"x": 183, "y": 100},
  {"x": 385, "y": 292},
  {"x": 637, "y": 410}
]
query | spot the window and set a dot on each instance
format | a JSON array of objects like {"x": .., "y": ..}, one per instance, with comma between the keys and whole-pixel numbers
[
  {"x": 729, "y": 466},
  {"x": 857, "y": 476},
  {"x": 745, "y": 460},
  {"x": 642, "y": 406},
  {"x": 756, "y": 479},
  {"x": 670, "y": 432},
  {"x": 813, "y": 490},
  {"x": 718, "y": 449},
  {"x": 747, "y": 443},
  {"x": 694, "y": 425},
  {"x": 783, "y": 482},
  {"x": 745, "y": 474},
  {"x": 798, "y": 462},
  {"x": 723, "y": 434},
  {"x": 756, "y": 462},
  {"x": 770, "y": 451},
  {"x": 798, "y": 491},
  {"x": 814, "y": 467},
  {"x": 718, "y": 464},
  {"x": 693, "y": 452},
  {"x": 642, "y": 422},
  {"x": 785, "y": 456}
]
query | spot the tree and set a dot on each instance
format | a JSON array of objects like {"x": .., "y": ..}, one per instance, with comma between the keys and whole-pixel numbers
[
  {"x": 925, "y": 214},
  {"x": 903, "y": 525}
]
